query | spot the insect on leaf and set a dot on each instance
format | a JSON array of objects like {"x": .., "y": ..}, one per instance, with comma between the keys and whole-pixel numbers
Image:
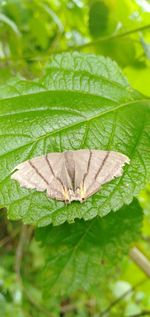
[{"x": 71, "y": 175}]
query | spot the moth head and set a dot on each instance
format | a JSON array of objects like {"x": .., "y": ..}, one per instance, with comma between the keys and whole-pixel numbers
[{"x": 71, "y": 195}]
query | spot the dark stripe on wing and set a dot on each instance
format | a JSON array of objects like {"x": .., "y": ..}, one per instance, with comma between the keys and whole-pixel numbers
[
  {"x": 51, "y": 169},
  {"x": 88, "y": 166},
  {"x": 49, "y": 165},
  {"x": 102, "y": 164},
  {"x": 70, "y": 166},
  {"x": 37, "y": 172}
]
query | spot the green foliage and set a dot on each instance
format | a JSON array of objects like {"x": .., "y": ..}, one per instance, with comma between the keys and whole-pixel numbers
[
  {"x": 84, "y": 254},
  {"x": 72, "y": 101},
  {"x": 145, "y": 199},
  {"x": 139, "y": 78},
  {"x": 10, "y": 295},
  {"x": 79, "y": 104},
  {"x": 32, "y": 30},
  {"x": 98, "y": 17}
]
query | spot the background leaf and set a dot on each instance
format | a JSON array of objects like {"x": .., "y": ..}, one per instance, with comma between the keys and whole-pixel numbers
[
  {"x": 98, "y": 18},
  {"x": 83, "y": 254},
  {"x": 83, "y": 102}
]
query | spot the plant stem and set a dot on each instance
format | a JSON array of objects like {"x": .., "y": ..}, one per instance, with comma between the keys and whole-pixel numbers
[
  {"x": 141, "y": 260},
  {"x": 88, "y": 44},
  {"x": 25, "y": 235},
  {"x": 112, "y": 37},
  {"x": 144, "y": 313},
  {"x": 118, "y": 300},
  {"x": 20, "y": 249}
]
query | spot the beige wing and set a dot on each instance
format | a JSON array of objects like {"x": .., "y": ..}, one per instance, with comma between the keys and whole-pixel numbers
[
  {"x": 94, "y": 168},
  {"x": 42, "y": 173},
  {"x": 82, "y": 161}
]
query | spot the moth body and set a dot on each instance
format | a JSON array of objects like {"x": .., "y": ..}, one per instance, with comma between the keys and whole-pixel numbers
[{"x": 74, "y": 195}]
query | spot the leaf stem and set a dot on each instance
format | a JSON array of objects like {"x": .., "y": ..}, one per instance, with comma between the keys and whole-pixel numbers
[
  {"x": 82, "y": 46},
  {"x": 112, "y": 37},
  {"x": 108, "y": 38}
]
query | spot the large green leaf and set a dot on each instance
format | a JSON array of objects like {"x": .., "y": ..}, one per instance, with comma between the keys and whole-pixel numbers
[
  {"x": 82, "y": 255},
  {"x": 83, "y": 102}
]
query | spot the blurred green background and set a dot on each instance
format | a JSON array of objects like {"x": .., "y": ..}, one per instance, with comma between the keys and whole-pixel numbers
[{"x": 30, "y": 32}]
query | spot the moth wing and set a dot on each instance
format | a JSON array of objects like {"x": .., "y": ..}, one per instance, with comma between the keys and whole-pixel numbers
[
  {"x": 81, "y": 159},
  {"x": 41, "y": 173},
  {"x": 104, "y": 167}
]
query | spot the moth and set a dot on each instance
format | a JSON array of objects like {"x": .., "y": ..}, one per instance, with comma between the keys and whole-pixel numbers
[{"x": 70, "y": 175}]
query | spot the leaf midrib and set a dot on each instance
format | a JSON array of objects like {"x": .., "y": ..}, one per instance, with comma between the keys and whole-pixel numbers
[
  {"x": 76, "y": 123},
  {"x": 56, "y": 91},
  {"x": 79, "y": 72}
]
